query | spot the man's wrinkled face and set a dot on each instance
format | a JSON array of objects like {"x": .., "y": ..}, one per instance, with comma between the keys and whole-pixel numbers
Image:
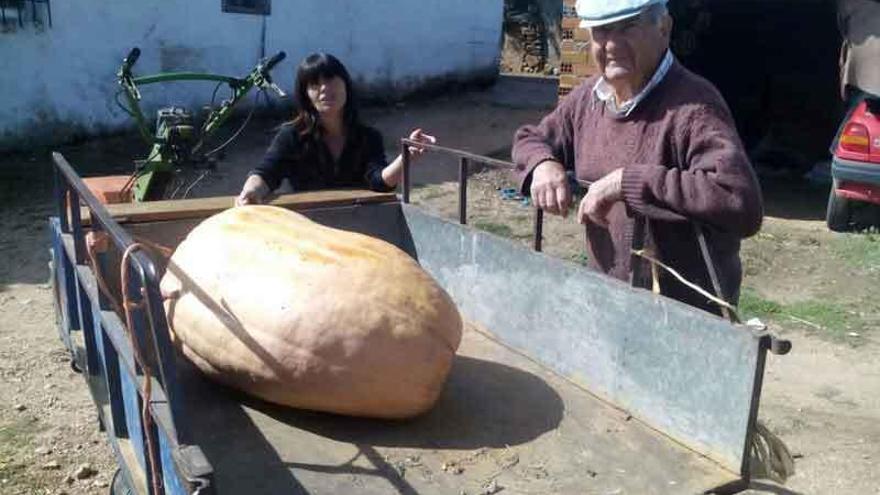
[{"x": 628, "y": 51}]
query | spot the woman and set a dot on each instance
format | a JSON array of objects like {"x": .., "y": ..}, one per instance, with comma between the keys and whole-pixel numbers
[{"x": 325, "y": 145}]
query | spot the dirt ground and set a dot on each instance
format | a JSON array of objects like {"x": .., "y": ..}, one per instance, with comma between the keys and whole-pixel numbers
[{"x": 812, "y": 286}]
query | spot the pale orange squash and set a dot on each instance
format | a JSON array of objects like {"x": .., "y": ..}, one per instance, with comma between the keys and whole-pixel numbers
[{"x": 265, "y": 300}]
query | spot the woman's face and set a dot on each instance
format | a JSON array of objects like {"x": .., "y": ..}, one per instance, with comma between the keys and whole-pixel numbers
[{"x": 328, "y": 96}]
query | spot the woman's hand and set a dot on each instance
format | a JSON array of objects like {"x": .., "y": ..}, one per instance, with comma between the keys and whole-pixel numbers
[
  {"x": 394, "y": 172},
  {"x": 254, "y": 191},
  {"x": 419, "y": 136}
]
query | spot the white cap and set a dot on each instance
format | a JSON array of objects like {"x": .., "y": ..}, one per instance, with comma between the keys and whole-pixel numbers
[{"x": 599, "y": 12}]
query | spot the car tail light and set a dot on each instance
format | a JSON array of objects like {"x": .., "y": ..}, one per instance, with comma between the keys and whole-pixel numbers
[{"x": 855, "y": 138}]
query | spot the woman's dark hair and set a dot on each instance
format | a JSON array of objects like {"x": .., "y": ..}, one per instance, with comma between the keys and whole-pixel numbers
[{"x": 311, "y": 70}]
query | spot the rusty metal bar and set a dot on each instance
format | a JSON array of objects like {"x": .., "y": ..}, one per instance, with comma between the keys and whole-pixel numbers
[
  {"x": 637, "y": 264},
  {"x": 462, "y": 190},
  {"x": 404, "y": 155},
  {"x": 539, "y": 229},
  {"x": 61, "y": 202},
  {"x": 465, "y": 158},
  {"x": 79, "y": 236},
  {"x": 460, "y": 154},
  {"x": 710, "y": 267}
]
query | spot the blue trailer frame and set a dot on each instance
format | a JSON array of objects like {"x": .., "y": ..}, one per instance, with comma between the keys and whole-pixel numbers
[{"x": 104, "y": 352}]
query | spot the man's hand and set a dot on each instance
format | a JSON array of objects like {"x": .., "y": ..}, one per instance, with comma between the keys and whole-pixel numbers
[
  {"x": 550, "y": 191},
  {"x": 601, "y": 196}
]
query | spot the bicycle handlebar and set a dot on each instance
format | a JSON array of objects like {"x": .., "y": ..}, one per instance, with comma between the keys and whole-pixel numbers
[
  {"x": 131, "y": 58},
  {"x": 258, "y": 77},
  {"x": 278, "y": 57}
]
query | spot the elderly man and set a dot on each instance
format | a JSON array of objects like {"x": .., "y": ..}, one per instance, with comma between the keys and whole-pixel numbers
[{"x": 660, "y": 147}]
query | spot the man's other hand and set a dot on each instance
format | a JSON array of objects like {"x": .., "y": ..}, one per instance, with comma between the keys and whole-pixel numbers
[{"x": 601, "y": 196}]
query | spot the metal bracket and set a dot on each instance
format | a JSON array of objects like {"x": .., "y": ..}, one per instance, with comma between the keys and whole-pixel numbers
[
  {"x": 769, "y": 340},
  {"x": 195, "y": 467}
]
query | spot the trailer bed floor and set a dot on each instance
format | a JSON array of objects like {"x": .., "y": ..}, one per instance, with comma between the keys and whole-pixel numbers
[{"x": 502, "y": 419}]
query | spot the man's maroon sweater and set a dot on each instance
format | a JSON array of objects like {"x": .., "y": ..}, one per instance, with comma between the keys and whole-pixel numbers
[{"x": 681, "y": 157}]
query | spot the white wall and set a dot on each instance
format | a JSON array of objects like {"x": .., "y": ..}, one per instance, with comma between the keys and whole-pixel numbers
[{"x": 59, "y": 82}]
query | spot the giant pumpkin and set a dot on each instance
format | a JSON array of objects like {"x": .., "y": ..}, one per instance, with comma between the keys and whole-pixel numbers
[{"x": 265, "y": 300}]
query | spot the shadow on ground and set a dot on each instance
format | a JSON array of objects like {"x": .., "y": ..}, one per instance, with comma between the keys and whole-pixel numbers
[{"x": 794, "y": 199}]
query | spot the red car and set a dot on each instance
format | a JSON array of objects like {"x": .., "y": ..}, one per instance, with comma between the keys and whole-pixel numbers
[{"x": 855, "y": 166}]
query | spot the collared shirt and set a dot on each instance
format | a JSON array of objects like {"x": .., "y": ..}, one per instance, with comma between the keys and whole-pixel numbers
[{"x": 604, "y": 92}]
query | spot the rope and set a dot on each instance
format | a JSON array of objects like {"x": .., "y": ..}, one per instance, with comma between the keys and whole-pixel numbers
[
  {"x": 92, "y": 242},
  {"x": 770, "y": 458},
  {"x": 146, "y": 417},
  {"x": 125, "y": 308},
  {"x": 155, "y": 247},
  {"x": 655, "y": 263}
]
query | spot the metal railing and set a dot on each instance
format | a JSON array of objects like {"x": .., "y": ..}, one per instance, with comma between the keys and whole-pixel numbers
[{"x": 465, "y": 159}]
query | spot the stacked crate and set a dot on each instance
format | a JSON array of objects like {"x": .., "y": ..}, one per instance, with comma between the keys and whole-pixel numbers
[{"x": 576, "y": 64}]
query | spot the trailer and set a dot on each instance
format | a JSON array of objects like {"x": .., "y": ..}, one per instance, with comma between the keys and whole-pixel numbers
[{"x": 566, "y": 381}]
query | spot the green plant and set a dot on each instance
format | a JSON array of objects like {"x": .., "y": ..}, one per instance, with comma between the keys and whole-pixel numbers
[
  {"x": 580, "y": 258},
  {"x": 861, "y": 251},
  {"x": 827, "y": 318}
]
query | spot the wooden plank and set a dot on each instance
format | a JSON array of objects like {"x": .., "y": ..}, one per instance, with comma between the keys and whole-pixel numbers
[{"x": 179, "y": 209}]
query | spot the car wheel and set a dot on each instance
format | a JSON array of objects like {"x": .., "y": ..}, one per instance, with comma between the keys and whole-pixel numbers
[{"x": 839, "y": 214}]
